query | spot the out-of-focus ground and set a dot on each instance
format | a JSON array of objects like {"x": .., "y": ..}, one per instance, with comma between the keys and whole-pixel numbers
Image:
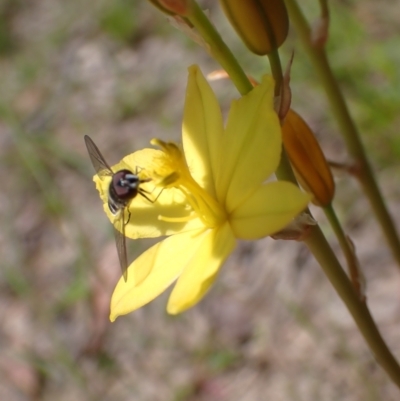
[{"x": 272, "y": 328}]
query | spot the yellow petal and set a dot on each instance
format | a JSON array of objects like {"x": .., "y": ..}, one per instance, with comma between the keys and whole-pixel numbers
[
  {"x": 140, "y": 160},
  {"x": 145, "y": 220},
  {"x": 268, "y": 210},
  {"x": 202, "y": 129},
  {"x": 251, "y": 145},
  {"x": 202, "y": 268},
  {"x": 154, "y": 271}
]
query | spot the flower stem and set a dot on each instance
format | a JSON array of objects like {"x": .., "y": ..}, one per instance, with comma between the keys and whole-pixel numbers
[
  {"x": 219, "y": 50},
  {"x": 348, "y": 250},
  {"x": 348, "y": 129},
  {"x": 276, "y": 69},
  {"x": 321, "y": 250},
  {"x": 324, "y": 8}
]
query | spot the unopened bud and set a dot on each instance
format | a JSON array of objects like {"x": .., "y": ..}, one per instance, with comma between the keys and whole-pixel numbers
[
  {"x": 262, "y": 24},
  {"x": 172, "y": 7},
  {"x": 307, "y": 159}
]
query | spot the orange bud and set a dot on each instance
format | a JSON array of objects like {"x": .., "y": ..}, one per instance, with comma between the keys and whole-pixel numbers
[
  {"x": 307, "y": 159},
  {"x": 172, "y": 7},
  {"x": 262, "y": 24}
]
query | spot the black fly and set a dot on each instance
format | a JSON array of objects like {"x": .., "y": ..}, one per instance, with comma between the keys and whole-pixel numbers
[{"x": 124, "y": 186}]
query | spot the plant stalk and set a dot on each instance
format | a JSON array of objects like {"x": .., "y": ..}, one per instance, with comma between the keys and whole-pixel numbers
[
  {"x": 321, "y": 250},
  {"x": 348, "y": 129},
  {"x": 219, "y": 50}
]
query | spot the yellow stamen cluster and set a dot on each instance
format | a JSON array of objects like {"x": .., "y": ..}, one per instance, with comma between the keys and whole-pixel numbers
[{"x": 171, "y": 170}]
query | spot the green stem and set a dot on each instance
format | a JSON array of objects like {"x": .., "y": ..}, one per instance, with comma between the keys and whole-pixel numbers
[
  {"x": 321, "y": 250},
  {"x": 284, "y": 171},
  {"x": 347, "y": 127},
  {"x": 348, "y": 250},
  {"x": 276, "y": 69},
  {"x": 324, "y": 8},
  {"x": 218, "y": 49}
]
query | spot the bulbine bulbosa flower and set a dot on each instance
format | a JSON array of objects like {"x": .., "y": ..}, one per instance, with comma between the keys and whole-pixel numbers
[{"x": 216, "y": 188}]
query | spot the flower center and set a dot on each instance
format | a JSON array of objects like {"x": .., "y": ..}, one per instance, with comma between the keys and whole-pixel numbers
[{"x": 171, "y": 170}]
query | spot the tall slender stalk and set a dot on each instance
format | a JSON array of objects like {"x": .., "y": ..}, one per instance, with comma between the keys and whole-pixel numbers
[
  {"x": 348, "y": 129},
  {"x": 348, "y": 251},
  {"x": 321, "y": 250},
  {"x": 219, "y": 50}
]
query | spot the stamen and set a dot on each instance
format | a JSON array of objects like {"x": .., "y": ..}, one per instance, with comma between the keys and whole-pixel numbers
[
  {"x": 184, "y": 219},
  {"x": 193, "y": 201},
  {"x": 173, "y": 171},
  {"x": 206, "y": 205}
]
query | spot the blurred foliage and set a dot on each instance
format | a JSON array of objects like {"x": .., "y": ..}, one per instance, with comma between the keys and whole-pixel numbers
[
  {"x": 8, "y": 42},
  {"x": 120, "y": 20}
]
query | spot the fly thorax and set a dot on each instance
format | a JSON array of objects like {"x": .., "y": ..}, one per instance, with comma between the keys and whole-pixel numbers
[{"x": 124, "y": 186}]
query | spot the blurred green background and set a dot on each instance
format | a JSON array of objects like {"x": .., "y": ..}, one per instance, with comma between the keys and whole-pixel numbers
[{"x": 272, "y": 328}]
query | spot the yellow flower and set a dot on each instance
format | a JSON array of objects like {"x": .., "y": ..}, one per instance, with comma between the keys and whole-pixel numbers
[{"x": 214, "y": 191}]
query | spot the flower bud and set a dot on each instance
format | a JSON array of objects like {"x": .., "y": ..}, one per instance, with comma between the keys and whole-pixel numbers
[
  {"x": 307, "y": 159},
  {"x": 172, "y": 7},
  {"x": 262, "y": 24}
]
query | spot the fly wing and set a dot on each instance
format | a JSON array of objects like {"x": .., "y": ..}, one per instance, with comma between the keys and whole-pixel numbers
[
  {"x": 100, "y": 165},
  {"x": 120, "y": 242}
]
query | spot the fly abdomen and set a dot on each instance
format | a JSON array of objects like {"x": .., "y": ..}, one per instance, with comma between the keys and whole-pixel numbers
[{"x": 114, "y": 207}]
